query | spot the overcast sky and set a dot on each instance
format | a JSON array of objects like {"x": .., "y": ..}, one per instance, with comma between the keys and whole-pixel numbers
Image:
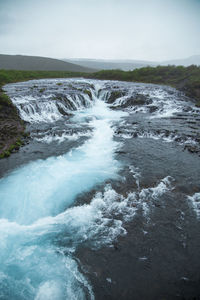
[{"x": 124, "y": 29}]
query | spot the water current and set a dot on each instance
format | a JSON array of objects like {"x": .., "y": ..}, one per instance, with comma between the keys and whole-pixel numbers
[{"x": 103, "y": 202}]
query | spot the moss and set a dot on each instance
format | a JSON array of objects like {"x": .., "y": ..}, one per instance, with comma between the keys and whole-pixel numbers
[
  {"x": 42, "y": 90},
  {"x": 197, "y": 104},
  {"x": 114, "y": 95},
  {"x": 87, "y": 92},
  {"x": 11, "y": 148},
  {"x": 5, "y": 154},
  {"x": 59, "y": 83},
  {"x": 19, "y": 142}
]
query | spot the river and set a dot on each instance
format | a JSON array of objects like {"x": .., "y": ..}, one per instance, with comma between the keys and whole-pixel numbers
[{"x": 104, "y": 200}]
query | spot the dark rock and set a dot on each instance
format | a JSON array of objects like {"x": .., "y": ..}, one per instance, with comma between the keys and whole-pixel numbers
[
  {"x": 153, "y": 108},
  {"x": 115, "y": 95},
  {"x": 137, "y": 100},
  {"x": 192, "y": 149}
]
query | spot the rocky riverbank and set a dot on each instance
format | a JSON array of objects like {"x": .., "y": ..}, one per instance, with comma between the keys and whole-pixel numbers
[{"x": 12, "y": 128}]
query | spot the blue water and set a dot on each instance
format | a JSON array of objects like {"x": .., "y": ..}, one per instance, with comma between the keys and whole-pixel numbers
[{"x": 35, "y": 216}]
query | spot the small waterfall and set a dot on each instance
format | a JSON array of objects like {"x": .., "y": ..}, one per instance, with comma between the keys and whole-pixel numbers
[{"x": 50, "y": 105}]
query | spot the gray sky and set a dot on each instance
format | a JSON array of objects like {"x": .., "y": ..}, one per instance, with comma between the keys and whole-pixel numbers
[{"x": 124, "y": 29}]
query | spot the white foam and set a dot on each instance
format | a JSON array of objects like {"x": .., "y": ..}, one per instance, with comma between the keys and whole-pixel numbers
[
  {"x": 195, "y": 202},
  {"x": 44, "y": 108},
  {"x": 32, "y": 229},
  {"x": 49, "y": 138},
  {"x": 29, "y": 247}
]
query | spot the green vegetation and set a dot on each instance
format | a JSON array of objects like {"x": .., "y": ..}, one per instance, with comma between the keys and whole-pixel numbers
[
  {"x": 5, "y": 154},
  {"x": 4, "y": 100},
  {"x": 9, "y": 76},
  {"x": 12, "y": 148}
]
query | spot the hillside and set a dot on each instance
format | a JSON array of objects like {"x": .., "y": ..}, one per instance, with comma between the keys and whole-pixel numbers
[
  {"x": 192, "y": 60},
  {"x": 130, "y": 64},
  {"x": 37, "y": 63}
]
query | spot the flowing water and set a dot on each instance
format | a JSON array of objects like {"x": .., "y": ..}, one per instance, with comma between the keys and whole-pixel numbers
[{"x": 104, "y": 200}]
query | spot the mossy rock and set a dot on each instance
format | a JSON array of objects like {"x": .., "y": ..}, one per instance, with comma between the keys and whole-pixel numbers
[
  {"x": 88, "y": 92},
  {"x": 5, "y": 154},
  {"x": 11, "y": 148},
  {"x": 141, "y": 100},
  {"x": 5, "y": 100},
  {"x": 115, "y": 95}
]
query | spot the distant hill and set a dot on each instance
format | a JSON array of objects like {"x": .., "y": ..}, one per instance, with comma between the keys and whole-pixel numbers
[
  {"x": 104, "y": 64},
  {"x": 37, "y": 63},
  {"x": 129, "y": 65},
  {"x": 192, "y": 60}
]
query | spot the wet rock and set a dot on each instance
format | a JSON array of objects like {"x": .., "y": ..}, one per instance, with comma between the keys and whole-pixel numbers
[
  {"x": 192, "y": 149},
  {"x": 153, "y": 108},
  {"x": 120, "y": 152},
  {"x": 187, "y": 109},
  {"x": 135, "y": 134},
  {"x": 115, "y": 95},
  {"x": 137, "y": 100}
]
